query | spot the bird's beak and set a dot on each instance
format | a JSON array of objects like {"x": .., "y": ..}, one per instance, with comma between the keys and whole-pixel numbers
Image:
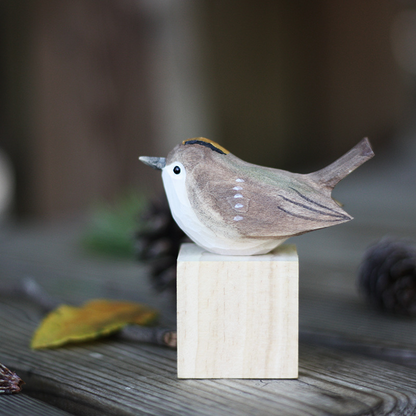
[{"x": 154, "y": 162}]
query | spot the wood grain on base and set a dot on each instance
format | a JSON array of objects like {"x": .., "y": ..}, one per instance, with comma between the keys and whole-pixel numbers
[{"x": 237, "y": 315}]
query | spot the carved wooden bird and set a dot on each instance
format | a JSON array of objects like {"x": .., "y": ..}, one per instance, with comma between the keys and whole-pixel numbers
[{"x": 232, "y": 207}]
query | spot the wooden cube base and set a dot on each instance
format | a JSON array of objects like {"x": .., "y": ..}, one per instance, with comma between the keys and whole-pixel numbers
[{"x": 237, "y": 315}]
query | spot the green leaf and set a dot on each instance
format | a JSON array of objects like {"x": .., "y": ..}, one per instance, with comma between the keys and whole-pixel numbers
[{"x": 112, "y": 226}]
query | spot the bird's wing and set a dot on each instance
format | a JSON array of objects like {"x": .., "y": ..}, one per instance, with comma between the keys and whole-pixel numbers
[{"x": 258, "y": 210}]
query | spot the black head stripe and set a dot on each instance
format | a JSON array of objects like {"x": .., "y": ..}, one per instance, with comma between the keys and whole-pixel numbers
[{"x": 206, "y": 144}]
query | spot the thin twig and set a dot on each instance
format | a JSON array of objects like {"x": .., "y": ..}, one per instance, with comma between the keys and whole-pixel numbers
[
  {"x": 31, "y": 291},
  {"x": 152, "y": 335}
]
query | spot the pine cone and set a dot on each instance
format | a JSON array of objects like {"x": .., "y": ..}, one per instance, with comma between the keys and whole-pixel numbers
[
  {"x": 387, "y": 276},
  {"x": 9, "y": 382},
  {"x": 158, "y": 241}
]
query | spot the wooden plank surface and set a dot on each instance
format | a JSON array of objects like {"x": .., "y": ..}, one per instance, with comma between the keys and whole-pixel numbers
[
  {"x": 23, "y": 405},
  {"x": 124, "y": 378}
]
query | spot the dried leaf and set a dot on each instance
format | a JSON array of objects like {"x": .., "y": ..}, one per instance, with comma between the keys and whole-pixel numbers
[
  {"x": 9, "y": 382},
  {"x": 95, "y": 319}
]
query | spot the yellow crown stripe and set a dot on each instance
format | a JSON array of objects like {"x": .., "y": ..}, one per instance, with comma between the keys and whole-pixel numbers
[{"x": 211, "y": 142}]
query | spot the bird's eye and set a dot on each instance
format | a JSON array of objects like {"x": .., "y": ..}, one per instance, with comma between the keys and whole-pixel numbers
[{"x": 177, "y": 170}]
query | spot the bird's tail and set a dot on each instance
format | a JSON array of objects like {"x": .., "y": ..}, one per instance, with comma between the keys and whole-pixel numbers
[{"x": 332, "y": 174}]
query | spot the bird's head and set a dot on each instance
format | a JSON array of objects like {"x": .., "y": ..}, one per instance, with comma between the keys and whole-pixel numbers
[
  {"x": 184, "y": 157},
  {"x": 185, "y": 174}
]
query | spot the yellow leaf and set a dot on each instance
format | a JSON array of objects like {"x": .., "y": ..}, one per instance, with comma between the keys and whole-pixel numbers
[{"x": 95, "y": 319}]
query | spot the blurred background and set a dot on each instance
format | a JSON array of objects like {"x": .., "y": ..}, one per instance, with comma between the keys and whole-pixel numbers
[{"x": 88, "y": 86}]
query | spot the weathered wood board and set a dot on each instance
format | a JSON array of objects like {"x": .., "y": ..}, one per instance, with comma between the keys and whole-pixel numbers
[
  {"x": 237, "y": 315},
  {"x": 23, "y": 405},
  {"x": 114, "y": 377}
]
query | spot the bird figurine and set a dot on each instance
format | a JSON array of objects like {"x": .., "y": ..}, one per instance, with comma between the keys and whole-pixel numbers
[{"x": 231, "y": 207}]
